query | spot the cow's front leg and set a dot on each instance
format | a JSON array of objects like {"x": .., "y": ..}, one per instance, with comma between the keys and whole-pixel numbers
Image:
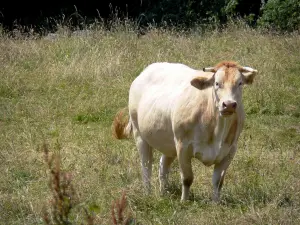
[
  {"x": 185, "y": 166},
  {"x": 219, "y": 174}
]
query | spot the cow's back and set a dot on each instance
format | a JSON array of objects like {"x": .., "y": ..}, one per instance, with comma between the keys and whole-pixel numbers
[{"x": 154, "y": 96}]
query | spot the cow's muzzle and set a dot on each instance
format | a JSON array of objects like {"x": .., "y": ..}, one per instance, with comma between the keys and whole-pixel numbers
[{"x": 228, "y": 108}]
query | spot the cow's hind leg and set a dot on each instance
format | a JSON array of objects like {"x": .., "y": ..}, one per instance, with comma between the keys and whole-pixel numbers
[
  {"x": 146, "y": 156},
  {"x": 164, "y": 169}
]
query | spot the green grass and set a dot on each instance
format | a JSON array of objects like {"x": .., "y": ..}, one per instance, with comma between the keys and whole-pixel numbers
[{"x": 65, "y": 92}]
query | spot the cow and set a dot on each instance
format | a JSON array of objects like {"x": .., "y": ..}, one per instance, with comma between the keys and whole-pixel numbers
[{"x": 184, "y": 113}]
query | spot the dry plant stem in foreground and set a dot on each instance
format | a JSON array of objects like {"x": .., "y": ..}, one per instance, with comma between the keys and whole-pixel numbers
[{"x": 64, "y": 197}]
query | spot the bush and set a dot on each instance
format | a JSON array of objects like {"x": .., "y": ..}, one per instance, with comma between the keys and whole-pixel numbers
[
  {"x": 180, "y": 12},
  {"x": 194, "y": 12},
  {"x": 281, "y": 15}
]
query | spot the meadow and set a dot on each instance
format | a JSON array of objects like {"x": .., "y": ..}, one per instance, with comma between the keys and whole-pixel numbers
[{"x": 64, "y": 91}]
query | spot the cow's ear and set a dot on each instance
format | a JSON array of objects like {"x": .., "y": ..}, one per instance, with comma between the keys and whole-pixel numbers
[
  {"x": 248, "y": 74},
  {"x": 202, "y": 82}
]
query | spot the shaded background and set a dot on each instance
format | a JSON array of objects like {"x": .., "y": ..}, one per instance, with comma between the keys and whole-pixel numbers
[
  {"x": 46, "y": 13},
  {"x": 275, "y": 14}
]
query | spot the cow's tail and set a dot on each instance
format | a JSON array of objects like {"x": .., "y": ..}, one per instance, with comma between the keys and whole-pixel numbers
[{"x": 122, "y": 126}]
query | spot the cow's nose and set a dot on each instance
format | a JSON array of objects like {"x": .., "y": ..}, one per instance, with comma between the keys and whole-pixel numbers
[{"x": 229, "y": 104}]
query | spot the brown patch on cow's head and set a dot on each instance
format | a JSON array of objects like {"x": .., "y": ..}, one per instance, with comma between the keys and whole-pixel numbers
[
  {"x": 231, "y": 68},
  {"x": 227, "y": 64}
]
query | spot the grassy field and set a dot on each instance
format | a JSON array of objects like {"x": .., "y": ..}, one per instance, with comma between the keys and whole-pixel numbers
[{"x": 66, "y": 90}]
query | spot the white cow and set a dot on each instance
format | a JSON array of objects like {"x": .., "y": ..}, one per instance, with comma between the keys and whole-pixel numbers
[{"x": 186, "y": 113}]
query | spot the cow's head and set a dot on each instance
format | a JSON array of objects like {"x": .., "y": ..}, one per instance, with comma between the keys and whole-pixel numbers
[{"x": 226, "y": 81}]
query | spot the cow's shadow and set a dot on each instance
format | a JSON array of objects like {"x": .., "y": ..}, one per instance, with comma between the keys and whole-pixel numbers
[
  {"x": 227, "y": 199},
  {"x": 174, "y": 192}
]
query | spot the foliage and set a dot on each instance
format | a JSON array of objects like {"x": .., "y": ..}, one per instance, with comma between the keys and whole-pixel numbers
[
  {"x": 190, "y": 13},
  {"x": 282, "y": 15},
  {"x": 272, "y": 14},
  {"x": 181, "y": 12}
]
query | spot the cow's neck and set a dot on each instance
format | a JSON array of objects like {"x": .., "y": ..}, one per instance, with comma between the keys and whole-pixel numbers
[{"x": 225, "y": 130}]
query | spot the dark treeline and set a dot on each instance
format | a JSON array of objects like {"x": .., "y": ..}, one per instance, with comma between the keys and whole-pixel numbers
[{"x": 275, "y": 14}]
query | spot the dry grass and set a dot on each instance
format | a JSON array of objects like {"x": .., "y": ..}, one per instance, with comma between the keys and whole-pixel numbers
[{"x": 66, "y": 91}]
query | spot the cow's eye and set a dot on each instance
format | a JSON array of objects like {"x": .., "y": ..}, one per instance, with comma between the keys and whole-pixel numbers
[
  {"x": 241, "y": 83},
  {"x": 218, "y": 85}
]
